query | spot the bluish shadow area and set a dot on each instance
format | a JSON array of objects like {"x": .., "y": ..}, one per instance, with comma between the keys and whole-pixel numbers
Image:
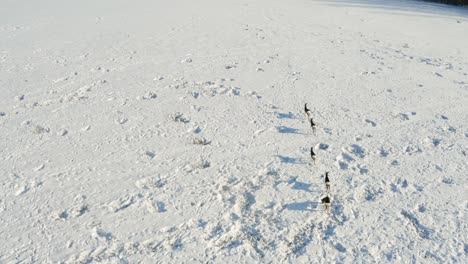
[
  {"x": 287, "y": 130},
  {"x": 285, "y": 115},
  {"x": 347, "y": 157},
  {"x": 330, "y": 231},
  {"x": 284, "y": 159},
  {"x": 323, "y": 146},
  {"x": 303, "y": 206},
  {"x": 302, "y": 186},
  {"x": 398, "y": 6},
  {"x": 423, "y": 231},
  {"x": 356, "y": 149}
]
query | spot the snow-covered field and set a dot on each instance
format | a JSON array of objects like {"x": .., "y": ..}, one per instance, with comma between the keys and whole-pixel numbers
[{"x": 174, "y": 131}]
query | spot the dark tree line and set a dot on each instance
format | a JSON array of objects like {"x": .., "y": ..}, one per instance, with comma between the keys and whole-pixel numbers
[{"x": 451, "y": 2}]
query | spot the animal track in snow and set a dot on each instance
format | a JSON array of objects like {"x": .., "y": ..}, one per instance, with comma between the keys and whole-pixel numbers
[
  {"x": 154, "y": 206},
  {"x": 404, "y": 116},
  {"x": 231, "y": 91},
  {"x": 150, "y": 183},
  {"x": 150, "y": 154},
  {"x": 383, "y": 152},
  {"x": 254, "y": 94},
  {"x": 356, "y": 150},
  {"x": 120, "y": 119},
  {"x": 341, "y": 163},
  {"x": 211, "y": 89},
  {"x": 322, "y": 146},
  {"x": 439, "y": 63},
  {"x": 398, "y": 183},
  {"x": 194, "y": 129},
  {"x": 40, "y": 130},
  {"x": 300, "y": 239},
  {"x": 231, "y": 66},
  {"x": 40, "y": 167},
  {"x": 75, "y": 211},
  {"x": 201, "y": 141},
  {"x": 21, "y": 189},
  {"x": 328, "y": 131},
  {"x": 82, "y": 93},
  {"x": 372, "y": 123},
  {"x": 245, "y": 236},
  {"x": 421, "y": 230},
  {"x": 62, "y": 132},
  {"x": 122, "y": 203},
  {"x": 412, "y": 149},
  {"x": 367, "y": 193},
  {"x": 25, "y": 187},
  {"x": 448, "y": 181},
  {"x": 201, "y": 164},
  {"x": 444, "y": 117},
  {"x": 243, "y": 203},
  {"x": 195, "y": 94},
  {"x": 346, "y": 161},
  {"x": 101, "y": 235},
  {"x": 361, "y": 169},
  {"x": 432, "y": 142},
  {"x": 179, "y": 117},
  {"x": 452, "y": 129},
  {"x": 19, "y": 97},
  {"x": 186, "y": 60},
  {"x": 148, "y": 96}
]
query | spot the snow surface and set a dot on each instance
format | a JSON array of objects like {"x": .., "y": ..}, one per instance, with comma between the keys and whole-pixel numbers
[{"x": 174, "y": 131}]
